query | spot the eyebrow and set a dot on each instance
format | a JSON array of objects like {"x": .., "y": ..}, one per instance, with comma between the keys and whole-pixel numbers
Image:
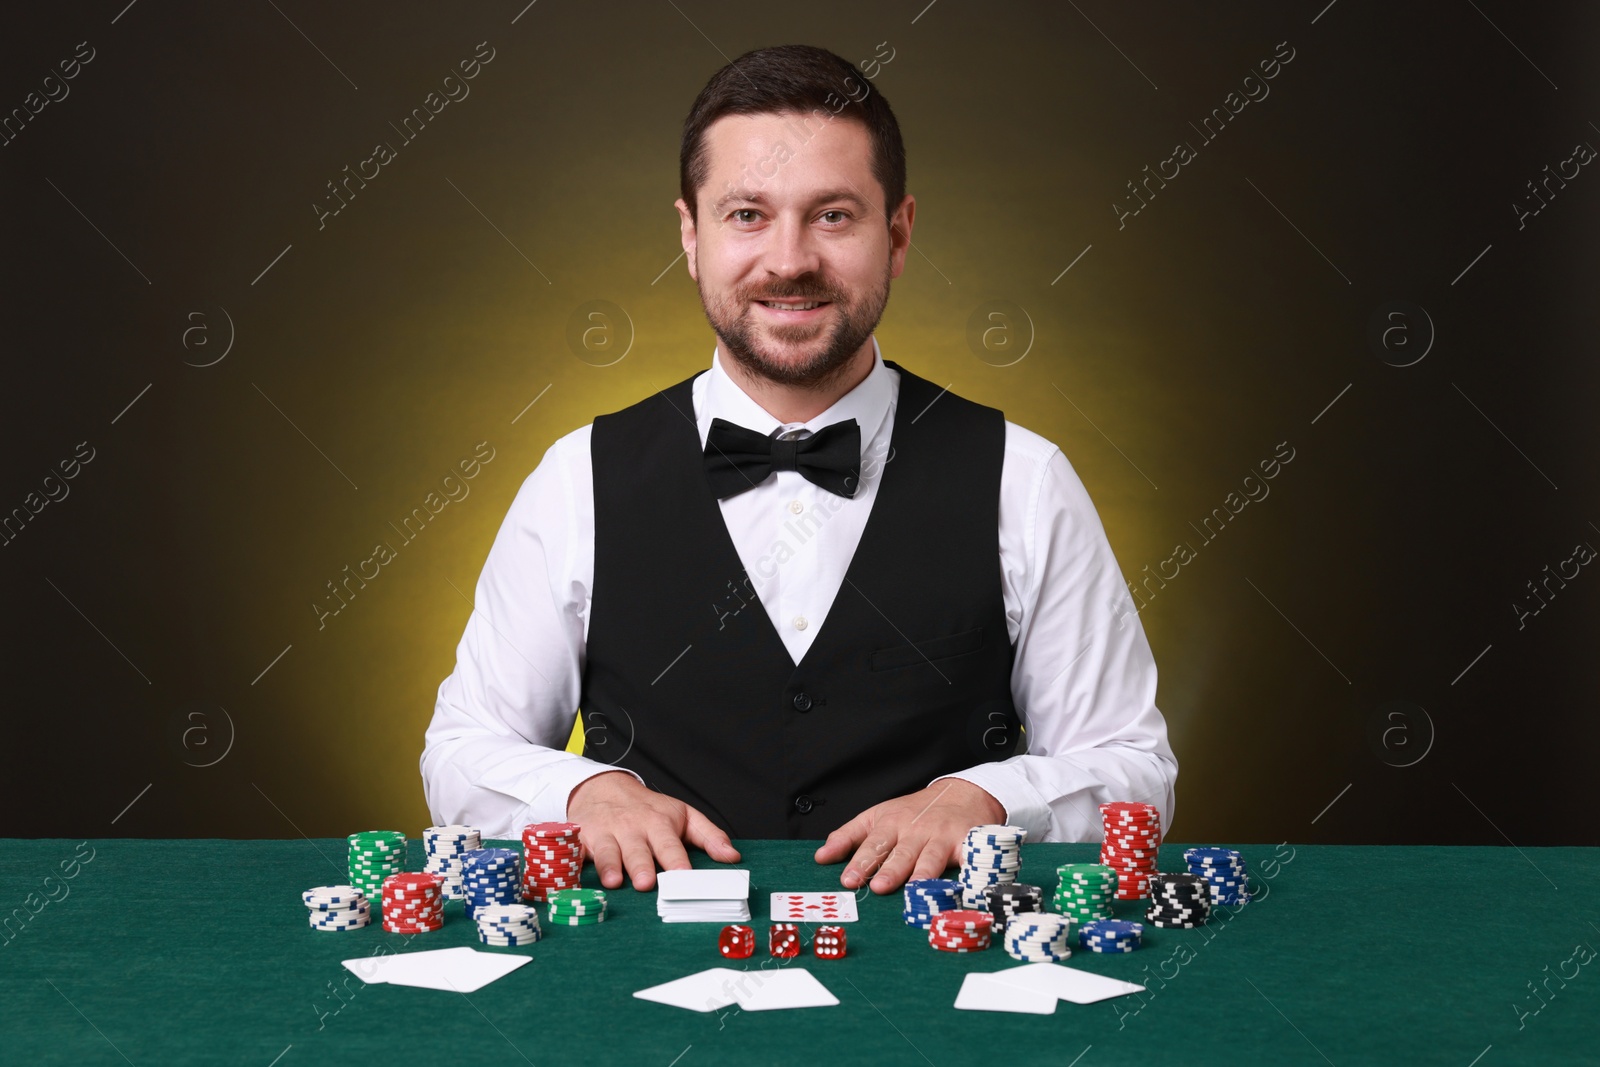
[{"x": 752, "y": 196}]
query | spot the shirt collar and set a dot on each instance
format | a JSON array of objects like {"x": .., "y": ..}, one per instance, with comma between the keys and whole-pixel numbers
[{"x": 868, "y": 403}]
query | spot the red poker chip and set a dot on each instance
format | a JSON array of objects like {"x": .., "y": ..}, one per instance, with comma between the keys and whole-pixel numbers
[
  {"x": 412, "y": 878},
  {"x": 552, "y": 829}
]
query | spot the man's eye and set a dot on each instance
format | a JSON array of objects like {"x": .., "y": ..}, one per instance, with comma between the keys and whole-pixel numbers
[
  {"x": 743, "y": 211},
  {"x": 841, "y": 214}
]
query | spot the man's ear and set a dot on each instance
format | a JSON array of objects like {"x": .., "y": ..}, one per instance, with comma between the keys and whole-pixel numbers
[{"x": 686, "y": 233}]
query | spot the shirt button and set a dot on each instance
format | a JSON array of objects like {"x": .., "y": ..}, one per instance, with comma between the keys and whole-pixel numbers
[
  {"x": 799, "y": 622},
  {"x": 802, "y": 702},
  {"x": 796, "y": 507},
  {"x": 802, "y": 804}
]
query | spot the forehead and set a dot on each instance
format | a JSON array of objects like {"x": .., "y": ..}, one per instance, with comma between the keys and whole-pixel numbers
[{"x": 787, "y": 154}]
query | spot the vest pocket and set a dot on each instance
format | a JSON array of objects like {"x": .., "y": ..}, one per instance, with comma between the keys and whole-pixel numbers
[{"x": 933, "y": 648}]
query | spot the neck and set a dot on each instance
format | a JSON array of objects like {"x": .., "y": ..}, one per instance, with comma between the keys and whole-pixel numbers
[{"x": 801, "y": 403}]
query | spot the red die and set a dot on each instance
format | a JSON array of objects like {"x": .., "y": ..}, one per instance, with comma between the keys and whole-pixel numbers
[
  {"x": 737, "y": 942},
  {"x": 828, "y": 943},
  {"x": 783, "y": 939}
]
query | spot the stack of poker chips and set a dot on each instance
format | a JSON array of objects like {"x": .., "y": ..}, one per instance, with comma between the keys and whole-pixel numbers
[
  {"x": 783, "y": 940},
  {"x": 1039, "y": 937},
  {"x": 1178, "y": 901},
  {"x": 960, "y": 930},
  {"x": 1004, "y": 902},
  {"x": 374, "y": 856},
  {"x": 1110, "y": 935},
  {"x": 829, "y": 942},
  {"x": 413, "y": 902},
  {"x": 552, "y": 858},
  {"x": 445, "y": 845},
  {"x": 991, "y": 856},
  {"x": 1224, "y": 870},
  {"x": 489, "y": 876},
  {"x": 508, "y": 925},
  {"x": 1086, "y": 891},
  {"x": 1132, "y": 836},
  {"x": 337, "y": 907},
  {"x": 925, "y": 896},
  {"x": 577, "y": 907}
]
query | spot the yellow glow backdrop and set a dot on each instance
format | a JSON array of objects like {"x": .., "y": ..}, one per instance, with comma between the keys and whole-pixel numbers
[{"x": 1168, "y": 354}]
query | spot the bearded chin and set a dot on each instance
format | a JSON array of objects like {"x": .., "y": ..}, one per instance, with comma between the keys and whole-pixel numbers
[{"x": 827, "y": 354}]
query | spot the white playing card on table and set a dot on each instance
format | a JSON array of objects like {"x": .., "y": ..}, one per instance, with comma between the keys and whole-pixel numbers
[
  {"x": 980, "y": 992},
  {"x": 791, "y": 987},
  {"x": 705, "y": 990},
  {"x": 1067, "y": 983},
  {"x": 459, "y": 970},
  {"x": 814, "y": 908}
]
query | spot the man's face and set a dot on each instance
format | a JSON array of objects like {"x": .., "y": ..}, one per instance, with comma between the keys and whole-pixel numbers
[{"x": 790, "y": 213}]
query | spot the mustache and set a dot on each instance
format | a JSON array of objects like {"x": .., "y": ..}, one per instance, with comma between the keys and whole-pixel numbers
[{"x": 804, "y": 296}]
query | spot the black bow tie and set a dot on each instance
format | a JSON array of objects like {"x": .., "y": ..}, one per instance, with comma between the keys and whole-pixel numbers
[{"x": 738, "y": 458}]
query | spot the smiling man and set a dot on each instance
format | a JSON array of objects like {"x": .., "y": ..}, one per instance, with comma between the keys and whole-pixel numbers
[{"x": 806, "y": 593}]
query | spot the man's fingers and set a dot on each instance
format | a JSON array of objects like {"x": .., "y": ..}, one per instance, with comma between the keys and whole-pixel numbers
[
  {"x": 604, "y": 852},
  {"x": 669, "y": 850},
  {"x": 876, "y": 855},
  {"x": 705, "y": 835},
  {"x": 639, "y": 860},
  {"x": 842, "y": 841},
  {"x": 931, "y": 863}
]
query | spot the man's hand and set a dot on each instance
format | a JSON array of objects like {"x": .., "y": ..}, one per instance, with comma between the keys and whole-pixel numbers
[
  {"x": 917, "y": 835},
  {"x": 625, "y": 824}
]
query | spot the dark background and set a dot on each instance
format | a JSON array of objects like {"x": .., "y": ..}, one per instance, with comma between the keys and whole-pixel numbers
[{"x": 165, "y": 674}]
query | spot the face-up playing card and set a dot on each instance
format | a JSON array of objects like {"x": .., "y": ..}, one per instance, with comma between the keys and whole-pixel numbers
[{"x": 814, "y": 907}]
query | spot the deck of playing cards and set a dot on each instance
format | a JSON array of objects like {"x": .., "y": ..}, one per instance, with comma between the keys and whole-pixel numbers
[{"x": 703, "y": 896}]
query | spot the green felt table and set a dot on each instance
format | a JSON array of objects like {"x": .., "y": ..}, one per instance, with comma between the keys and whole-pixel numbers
[{"x": 180, "y": 952}]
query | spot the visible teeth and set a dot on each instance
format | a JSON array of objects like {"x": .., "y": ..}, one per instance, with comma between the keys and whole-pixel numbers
[{"x": 792, "y": 307}]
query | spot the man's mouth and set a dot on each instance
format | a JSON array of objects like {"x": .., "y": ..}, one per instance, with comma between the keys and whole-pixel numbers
[{"x": 793, "y": 306}]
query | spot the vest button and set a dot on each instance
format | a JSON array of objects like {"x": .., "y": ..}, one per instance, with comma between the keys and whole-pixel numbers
[
  {"x": 802, "y": 804},
  {"x": 802, "y": 702}
]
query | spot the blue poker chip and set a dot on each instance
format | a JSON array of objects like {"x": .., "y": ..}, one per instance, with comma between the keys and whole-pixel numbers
[
  {"x": 1198, "y": 855},
  {"x": 1103, "y": 927}
]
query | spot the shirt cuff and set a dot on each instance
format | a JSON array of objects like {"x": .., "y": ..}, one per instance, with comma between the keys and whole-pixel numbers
[
  {"x": 557, "y": 782},
  {"x": 1025, "y": 806}
]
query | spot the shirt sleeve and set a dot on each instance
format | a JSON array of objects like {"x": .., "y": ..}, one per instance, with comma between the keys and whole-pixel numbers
[
  {"x": 1084, "y": 679},
  {"x": 494, "y": 754}
]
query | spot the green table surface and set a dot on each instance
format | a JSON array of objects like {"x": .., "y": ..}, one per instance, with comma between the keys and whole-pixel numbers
[{"x": 179, "y": 952}]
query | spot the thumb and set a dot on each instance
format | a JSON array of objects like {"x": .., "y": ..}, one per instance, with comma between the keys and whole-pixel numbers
[
  {"x": 846, "y": 839},
  {"x": 706, "y": 836}
]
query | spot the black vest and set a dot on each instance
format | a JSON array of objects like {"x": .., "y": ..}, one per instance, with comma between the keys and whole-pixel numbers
[{"x": 687, "y": 683}]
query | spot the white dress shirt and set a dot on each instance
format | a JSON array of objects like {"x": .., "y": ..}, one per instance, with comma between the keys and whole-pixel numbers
[{"x": 1083, "y": 679}]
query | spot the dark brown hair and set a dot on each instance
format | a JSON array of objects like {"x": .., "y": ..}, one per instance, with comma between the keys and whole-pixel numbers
[{"x": 814, "y": 82}]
